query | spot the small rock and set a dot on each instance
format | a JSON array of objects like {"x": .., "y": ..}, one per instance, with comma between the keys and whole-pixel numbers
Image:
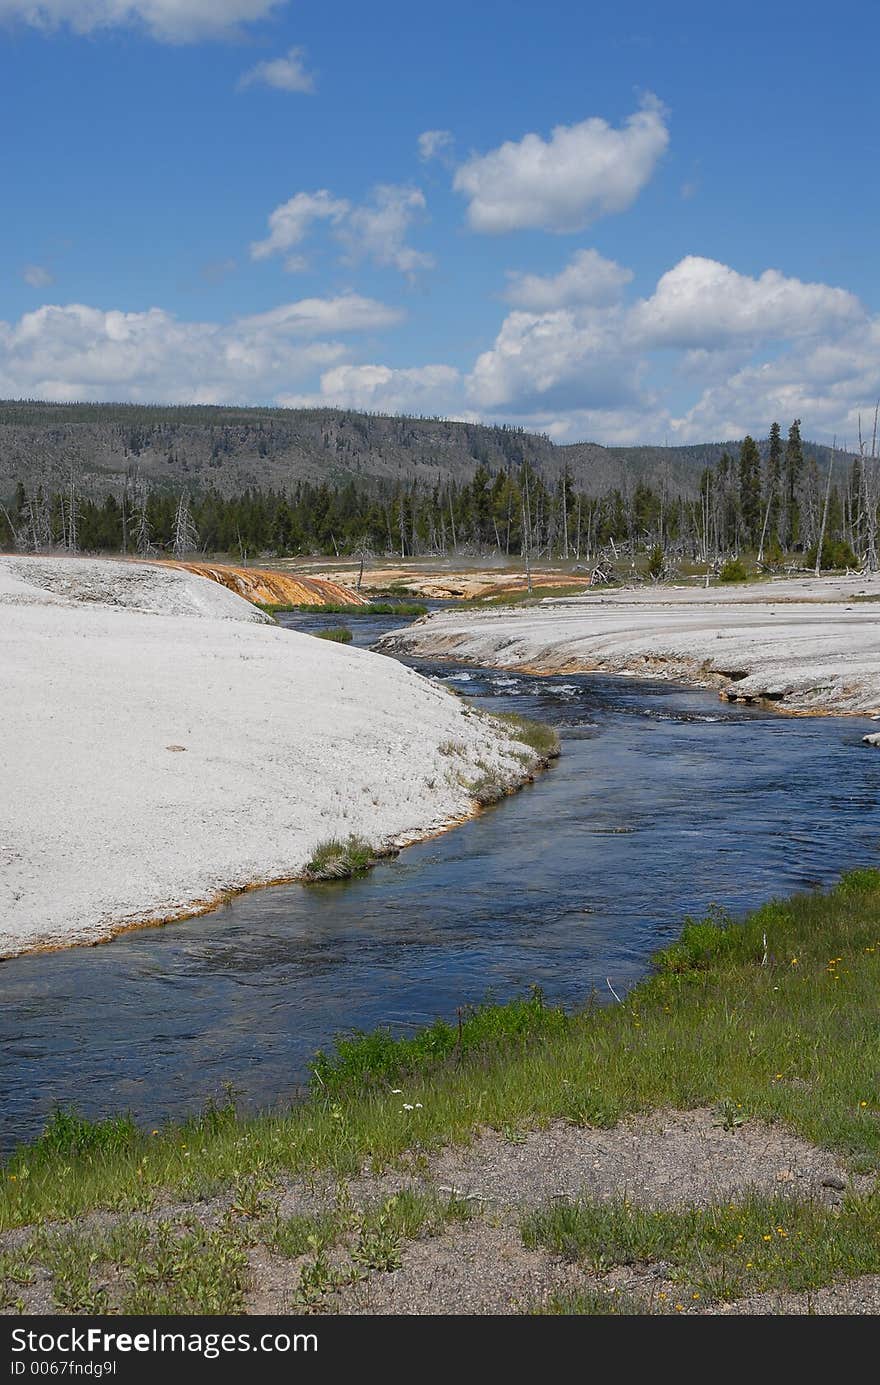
[
  {"x": 175, "y": 747},
  {"x": 832, "y": 1180},
  {"x": 872, "y": 739}
]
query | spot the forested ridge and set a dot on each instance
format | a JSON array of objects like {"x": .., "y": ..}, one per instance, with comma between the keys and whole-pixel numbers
[{"x": 519, "y": 495}]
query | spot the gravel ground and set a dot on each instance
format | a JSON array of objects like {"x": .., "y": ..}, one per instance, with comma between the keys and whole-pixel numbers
[{"x": 666, "y": 1159}]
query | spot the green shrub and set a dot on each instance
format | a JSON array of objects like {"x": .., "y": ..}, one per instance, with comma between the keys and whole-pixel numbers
[
  {"x": 733, "y": 571},
  {"x": 69, "y": 1133},
  {"x": 835, "y": 554},
  {"x": 338, "y": 634},
  {"x": 656, "y": 560}
]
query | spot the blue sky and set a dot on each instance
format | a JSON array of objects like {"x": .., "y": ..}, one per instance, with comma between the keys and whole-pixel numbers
[{"x": 616, "y": 221}]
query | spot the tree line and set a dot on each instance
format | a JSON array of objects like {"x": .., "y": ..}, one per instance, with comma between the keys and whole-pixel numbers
[{"x": 775, "y": 505}]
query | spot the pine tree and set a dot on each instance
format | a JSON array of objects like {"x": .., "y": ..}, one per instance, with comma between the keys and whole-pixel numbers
[
  {"x": 750, "y": 489},
  {"x": 772, "y": 482},
  {"x": 794, "y": 465}
]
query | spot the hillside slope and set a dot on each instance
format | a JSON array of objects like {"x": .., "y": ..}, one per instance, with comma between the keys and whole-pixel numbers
[{"x": 231, "y": 449}]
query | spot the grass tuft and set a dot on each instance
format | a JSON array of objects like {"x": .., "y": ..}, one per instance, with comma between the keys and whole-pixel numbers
[
  {"x": 540, "y": 737},
  {"x": 336, "y": 859},
  {"x": 338, "y": 634}
]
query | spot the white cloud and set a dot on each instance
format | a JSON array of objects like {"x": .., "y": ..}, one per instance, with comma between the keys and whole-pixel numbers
[
  {"x": 430, "y": 389},
  {"x": 587, "y": 278},
  {"x": 170, "y": 21},
  {"x": 434, "y": 144},
  {"x": 562, "y": 184},
  {"x": 285, "y": 74},
  {"x": 290, "y": 223},
  {"x": 81, "y": 352},
  {"x": 319, "y": 316},
  {"x": 378, "y": 230},
  {"x": 555, "y": 360},
  {"x": 703, "y": 304},
  {"x": 826, "y": 383},
  {"x": 37, "y": 276}
]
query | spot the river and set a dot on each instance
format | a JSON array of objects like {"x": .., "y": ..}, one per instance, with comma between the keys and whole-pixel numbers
[{"x": 663, "y": 802}]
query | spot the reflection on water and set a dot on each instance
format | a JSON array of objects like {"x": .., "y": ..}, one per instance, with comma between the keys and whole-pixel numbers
[{"x": 664, "y": 801}]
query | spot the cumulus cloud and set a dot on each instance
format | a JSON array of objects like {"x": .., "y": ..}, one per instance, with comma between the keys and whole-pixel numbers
[
  {"x": 700, "y": 303},
  {"x": 581, "y": 173},
  {"x": 828, "y": 384},
  {"x": 430, "y": 389},
  {"x": 378, "y": 230},
  {"x": 170, "y": 21},
  {"x": 554, "y": 360},
  {"x": 81, "y": 352},
  {"x": 37, "y": 276},
  {"x": 587, "y": 278},
  {"x": 434, "y": 144},
  {"x": 285, "y": 74},
  {"x": 290, "y": 223}
]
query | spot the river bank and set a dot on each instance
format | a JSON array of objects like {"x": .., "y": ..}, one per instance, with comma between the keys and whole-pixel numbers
[
  {"x": 164, "y": 745},
  {"x": 709, "y": 1145},
  {"x": 802, "y": 645}
]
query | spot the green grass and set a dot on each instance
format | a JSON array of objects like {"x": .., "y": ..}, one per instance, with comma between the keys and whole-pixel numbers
[
  {"x": 543, "y": 739},
  {"x": 338, "y": 634},
  {"x": 594, "y": 1304},
  {"x": 337, "y": 859},
  {"x": 792, "y": 1039},
  {"x": 362, "y": 1061},
  {"x": 726, "y": 1251}
]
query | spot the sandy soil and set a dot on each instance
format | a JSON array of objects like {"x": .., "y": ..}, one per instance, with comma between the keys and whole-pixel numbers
[
  {"x": 161, "y": 744},
  {"x": 806, "y": 645}
]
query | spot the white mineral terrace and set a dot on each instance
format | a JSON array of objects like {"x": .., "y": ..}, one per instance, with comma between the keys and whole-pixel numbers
[
  {"x": 807, "y": 645},
  {"x": 161, "y": 745}
]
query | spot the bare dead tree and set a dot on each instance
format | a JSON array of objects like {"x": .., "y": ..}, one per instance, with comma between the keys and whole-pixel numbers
[
  {"x": 869, "y": 498},
  {"x": 186, "y": 535},
  {"x": 825, "y": 510}
]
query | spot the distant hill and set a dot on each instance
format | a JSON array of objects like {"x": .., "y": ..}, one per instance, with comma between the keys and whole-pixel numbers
[{"x": 230, "y": 449}]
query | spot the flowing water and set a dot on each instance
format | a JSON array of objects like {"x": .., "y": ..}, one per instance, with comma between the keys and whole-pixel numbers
[{"x": 664, "y": 801}]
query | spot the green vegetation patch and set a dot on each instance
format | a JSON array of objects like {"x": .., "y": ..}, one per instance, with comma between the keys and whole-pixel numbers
[
  {"x": 733, "y": 571},
  {"x": 339, "y": 634},
  {"x": 361, "y": 1061},
  {"x": 543, "y": 739},
  {"x": 719, "y": 1252},
  {"x": 598, "y": 1303},
  {"x": 338, "y": 859}
]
